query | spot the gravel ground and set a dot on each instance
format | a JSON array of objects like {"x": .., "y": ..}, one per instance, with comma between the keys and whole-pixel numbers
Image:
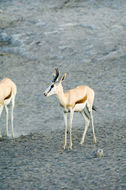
[{"x": 86, "y": 40}]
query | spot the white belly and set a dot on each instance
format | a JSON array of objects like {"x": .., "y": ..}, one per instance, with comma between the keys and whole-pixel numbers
[{"x": 80, "y": 107}]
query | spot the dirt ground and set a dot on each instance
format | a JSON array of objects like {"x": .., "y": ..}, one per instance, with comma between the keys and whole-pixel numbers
[{"x": 86, "y": 40}]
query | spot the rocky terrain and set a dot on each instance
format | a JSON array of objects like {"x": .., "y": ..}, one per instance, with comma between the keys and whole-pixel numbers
[{"x": 87, "y": 40}]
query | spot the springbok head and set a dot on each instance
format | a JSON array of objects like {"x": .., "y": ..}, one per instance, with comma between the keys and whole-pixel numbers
[{"x": 52, "y": 89}]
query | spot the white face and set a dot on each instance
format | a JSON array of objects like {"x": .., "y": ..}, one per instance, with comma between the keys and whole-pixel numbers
[{"x": 50, "y": 90}]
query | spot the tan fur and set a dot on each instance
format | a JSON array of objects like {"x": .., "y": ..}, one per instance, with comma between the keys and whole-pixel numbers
[
  {"x": 7, "y": 95},
  {"x": 75, "y": 96},
  {"x": 7, "y": 86}
]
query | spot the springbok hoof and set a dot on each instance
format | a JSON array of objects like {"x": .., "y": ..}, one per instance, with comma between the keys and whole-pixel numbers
[
  {"x": 94, "y": 140},
  {"x": 81, "y": 142},
  {"x": 70, "y": 147},
  {"x": 64, "y": 147}
]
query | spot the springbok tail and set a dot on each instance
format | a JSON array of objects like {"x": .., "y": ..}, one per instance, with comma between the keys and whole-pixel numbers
[{"x": 94, "y": 108}]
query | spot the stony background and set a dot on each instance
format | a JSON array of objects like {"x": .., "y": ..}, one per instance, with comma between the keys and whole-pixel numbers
[{"x": 87, "y": 40}]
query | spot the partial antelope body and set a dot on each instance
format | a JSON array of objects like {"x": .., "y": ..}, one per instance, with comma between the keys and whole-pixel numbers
[
  {"x": 75, "y": 100},
  {"x": 7, "y": 95}
]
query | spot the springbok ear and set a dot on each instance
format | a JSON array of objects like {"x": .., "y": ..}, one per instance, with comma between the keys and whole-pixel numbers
[{"x": 64, "y": 76}]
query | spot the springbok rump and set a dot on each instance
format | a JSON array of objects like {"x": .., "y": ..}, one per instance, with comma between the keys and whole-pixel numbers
[
  {"x": 74, "y": 100},
  {"x": 7, "y": 95}
]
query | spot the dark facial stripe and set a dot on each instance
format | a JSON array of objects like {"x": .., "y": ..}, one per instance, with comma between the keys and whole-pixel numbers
[{"x": 50, "y": 88}]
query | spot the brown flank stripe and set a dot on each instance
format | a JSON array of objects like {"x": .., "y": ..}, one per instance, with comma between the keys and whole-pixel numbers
[
  {"x": 8, "y": 96},
  {"x": 82, "y": 100}
]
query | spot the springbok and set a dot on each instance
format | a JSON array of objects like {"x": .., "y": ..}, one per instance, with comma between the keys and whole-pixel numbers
[
  {"x": 7, "y": 95},
  {"x": 74, "y": 100}
]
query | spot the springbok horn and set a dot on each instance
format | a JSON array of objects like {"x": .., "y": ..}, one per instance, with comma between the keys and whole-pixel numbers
[{"x": 56, "y": 77}]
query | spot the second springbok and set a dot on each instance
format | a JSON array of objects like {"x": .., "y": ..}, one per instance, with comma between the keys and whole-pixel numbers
[
  {"x": 7, "y": 95},
  {"x": 74, "y": 100}
]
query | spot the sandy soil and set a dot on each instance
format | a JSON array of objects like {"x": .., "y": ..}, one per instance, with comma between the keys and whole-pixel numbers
[{"x": 85, "y": 39}]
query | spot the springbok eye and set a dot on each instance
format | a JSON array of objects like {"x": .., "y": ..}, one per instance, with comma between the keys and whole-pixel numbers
[{"x": 52, "y": 85}]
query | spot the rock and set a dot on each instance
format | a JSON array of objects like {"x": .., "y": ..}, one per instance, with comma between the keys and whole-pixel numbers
[
  {"x": 98, "y": 152},
  {"x": 4, "y": 39}
]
